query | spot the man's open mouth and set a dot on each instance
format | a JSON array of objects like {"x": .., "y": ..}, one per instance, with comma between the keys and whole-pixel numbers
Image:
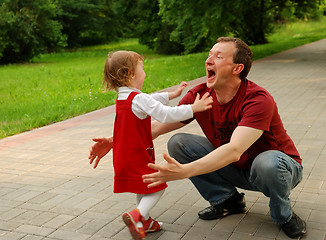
[{"x": 210, "y": 73}]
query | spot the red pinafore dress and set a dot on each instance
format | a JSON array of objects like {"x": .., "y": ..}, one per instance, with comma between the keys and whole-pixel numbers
[{"x": 133, "y": 149}]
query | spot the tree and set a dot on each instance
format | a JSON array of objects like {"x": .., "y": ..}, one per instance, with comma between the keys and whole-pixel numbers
[
  {"x": 190, "y": 19},
  {"x": 141, "y": 19},
  {"x": 156, "y": 35},
  {"x": 307, "y": 9},
  {"x": 88, "y": 22},
  {"x": 198, "y": 23},
  {"x": 27, "y": 29}
]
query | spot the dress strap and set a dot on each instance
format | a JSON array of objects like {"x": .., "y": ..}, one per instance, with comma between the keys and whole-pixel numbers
[{"x": 132, "y": 95}]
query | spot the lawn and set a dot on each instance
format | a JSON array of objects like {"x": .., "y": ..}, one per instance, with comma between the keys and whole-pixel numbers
[{"x": 58, "y": 86}]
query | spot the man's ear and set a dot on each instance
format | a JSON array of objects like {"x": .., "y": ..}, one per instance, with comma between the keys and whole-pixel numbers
[{"x": 238, "y": 69}]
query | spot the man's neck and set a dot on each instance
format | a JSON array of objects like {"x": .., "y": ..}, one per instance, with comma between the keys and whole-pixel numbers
[{"x": 226, "y": 94}]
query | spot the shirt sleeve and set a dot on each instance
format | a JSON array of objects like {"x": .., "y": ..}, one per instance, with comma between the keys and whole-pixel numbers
[
  {"x": 144, "y": 105},
  {"x": 162, "y": 97},
  {"x": 258, "y": 112}
]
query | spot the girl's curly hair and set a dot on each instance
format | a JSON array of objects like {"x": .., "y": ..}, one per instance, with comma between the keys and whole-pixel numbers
[{"x": 119, "y": 68}]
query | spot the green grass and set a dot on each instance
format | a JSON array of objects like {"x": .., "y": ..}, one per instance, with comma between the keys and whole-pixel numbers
[
  {"x": 59, "y": 86},
  {"x": 290, "y": 36}
]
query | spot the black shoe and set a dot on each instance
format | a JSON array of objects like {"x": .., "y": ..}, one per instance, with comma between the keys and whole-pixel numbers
[
  {"x": 235, "y": 204},
  {"x": 294, "y": 228}
]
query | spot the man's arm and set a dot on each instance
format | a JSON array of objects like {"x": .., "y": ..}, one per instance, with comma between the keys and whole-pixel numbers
[
  {"x": 242, "y": 138},
  {"x": 162, "y": 128}
]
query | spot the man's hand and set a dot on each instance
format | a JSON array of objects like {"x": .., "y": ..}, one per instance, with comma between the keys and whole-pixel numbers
[
  {"x": 173, "y": 170},
  {"x": 99, "y": 149}
]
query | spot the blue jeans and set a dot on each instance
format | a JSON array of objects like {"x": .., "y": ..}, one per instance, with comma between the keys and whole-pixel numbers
[{"x": 272, "y": 172}]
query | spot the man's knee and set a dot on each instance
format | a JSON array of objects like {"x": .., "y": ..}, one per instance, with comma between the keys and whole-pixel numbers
[
  {"x": 175, "y": 142},
  {"x": 185, "y": 147},
  {"x": 265, "y": 166},
  {"x": 271, "y": 168}
]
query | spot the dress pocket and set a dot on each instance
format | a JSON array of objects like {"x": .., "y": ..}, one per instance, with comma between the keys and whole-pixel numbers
[{"x": 150, "y": 152}]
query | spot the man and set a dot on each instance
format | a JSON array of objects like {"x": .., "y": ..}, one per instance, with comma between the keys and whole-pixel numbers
[{"x": 245, "y": 143}]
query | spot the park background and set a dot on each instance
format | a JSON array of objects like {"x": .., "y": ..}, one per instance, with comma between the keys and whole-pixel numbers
[{"x": 52, "y": 53}]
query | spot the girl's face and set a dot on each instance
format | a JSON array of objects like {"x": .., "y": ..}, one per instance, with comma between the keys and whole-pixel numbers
[{"x": 138, "y": 79}]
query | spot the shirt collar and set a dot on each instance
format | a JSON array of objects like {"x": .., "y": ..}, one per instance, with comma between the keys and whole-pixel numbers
[{"x": 128, "y": 90}]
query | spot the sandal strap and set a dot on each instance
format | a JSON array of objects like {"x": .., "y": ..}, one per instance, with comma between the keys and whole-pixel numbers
[{"x": 151, "y": 225}]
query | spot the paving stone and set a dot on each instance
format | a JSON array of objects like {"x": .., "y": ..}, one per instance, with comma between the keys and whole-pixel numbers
[
  {"x": 170, "y": 236},
  {"x": 12, "y": 213},
  {"x": 65, "y": 235},
  {"x": 58, "y": 221},
  {"x": 8, "y": 225},
  {"x": 41, "y": 219},
  {"x": 30, "y": 229},
  {"x": 32, "y": 237},
  {"x": 27, "y": 216},
  {"x": 93, "y": 226},
  {"x": 12, "y": 236},
  {"x": 170, "y": 215}
]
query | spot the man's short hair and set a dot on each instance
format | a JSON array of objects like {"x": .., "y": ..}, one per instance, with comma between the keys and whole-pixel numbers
[{"x": 243, "y": 54}]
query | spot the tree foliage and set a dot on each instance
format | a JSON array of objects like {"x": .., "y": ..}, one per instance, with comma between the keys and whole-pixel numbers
[
  {"x": 88, "y": 22},
  {"x": 27, "y": 29},
  {"x": 198, "y": 23},
  {"x": 156, "y": 35}
]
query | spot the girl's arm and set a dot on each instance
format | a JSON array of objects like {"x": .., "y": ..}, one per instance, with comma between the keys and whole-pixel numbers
[
  {"x": 144, "y": 105},
  {"x": 164, "y": 97}
]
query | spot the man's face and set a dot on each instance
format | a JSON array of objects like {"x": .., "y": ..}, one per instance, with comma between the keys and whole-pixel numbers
[{"x": 219, "y": 64}]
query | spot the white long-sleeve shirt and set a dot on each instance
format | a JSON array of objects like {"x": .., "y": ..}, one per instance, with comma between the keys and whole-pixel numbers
[{"x": 153, "y": 105}]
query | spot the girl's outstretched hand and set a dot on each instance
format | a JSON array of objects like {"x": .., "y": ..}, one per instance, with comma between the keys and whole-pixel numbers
[
  {"x": 170, "y": 171},
  {"x": 99, "y": 149},
  {"x": 178, "y": 91}
]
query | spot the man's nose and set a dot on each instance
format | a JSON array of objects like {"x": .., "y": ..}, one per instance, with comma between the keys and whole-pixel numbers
[{"x": 209, "y": 60}]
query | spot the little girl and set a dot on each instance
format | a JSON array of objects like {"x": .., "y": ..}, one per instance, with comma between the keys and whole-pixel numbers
[{"x": 132, "y": 140}]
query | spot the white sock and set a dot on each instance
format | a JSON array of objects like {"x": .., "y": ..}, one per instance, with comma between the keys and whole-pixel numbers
[{"x": 147, "y": 202}]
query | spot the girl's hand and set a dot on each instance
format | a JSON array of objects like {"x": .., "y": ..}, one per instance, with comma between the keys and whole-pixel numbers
[
  {"x": 99, "y": 149},
  {"x": 202, "y": 104},
  {"x": 178, "y": 91}
]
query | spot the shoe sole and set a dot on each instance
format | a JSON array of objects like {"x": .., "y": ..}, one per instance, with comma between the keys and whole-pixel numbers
[
  {"x": 131, "y": 226},
  {"x": 224, "y": 214}
]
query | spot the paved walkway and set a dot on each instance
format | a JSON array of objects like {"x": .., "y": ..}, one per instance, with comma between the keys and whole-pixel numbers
[{"x": 49, "y": 191}]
